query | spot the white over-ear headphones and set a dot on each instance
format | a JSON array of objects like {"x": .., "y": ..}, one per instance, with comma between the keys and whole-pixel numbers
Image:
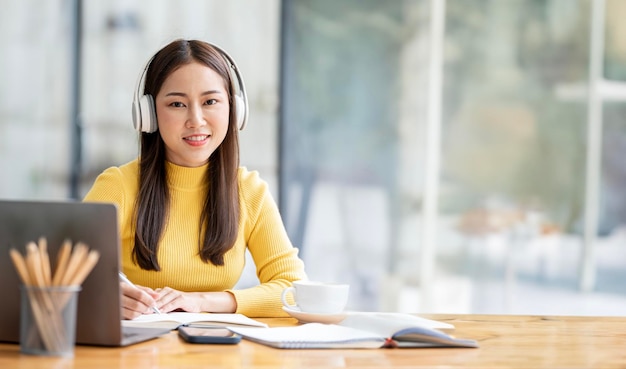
[{"x": 144, "y": 112}]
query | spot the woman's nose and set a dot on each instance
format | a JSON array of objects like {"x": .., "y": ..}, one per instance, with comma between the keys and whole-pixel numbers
[{"x": 195, "y": 117}]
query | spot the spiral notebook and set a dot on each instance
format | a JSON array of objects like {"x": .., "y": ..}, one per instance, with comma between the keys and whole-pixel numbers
[{"x": 355, "y": 332}]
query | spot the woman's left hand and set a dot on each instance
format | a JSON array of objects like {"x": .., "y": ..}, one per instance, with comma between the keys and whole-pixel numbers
[{"x": 170, "y": 299}]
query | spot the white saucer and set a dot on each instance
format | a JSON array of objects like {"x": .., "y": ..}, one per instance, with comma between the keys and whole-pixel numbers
[{"x": 315, "y": 317}]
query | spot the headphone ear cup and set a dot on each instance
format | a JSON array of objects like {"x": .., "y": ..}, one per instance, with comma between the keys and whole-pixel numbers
[
  {"x": 136, "y": 116},
  {"x": 240, "y": 111},
  {"x": 148, "y": 114}
]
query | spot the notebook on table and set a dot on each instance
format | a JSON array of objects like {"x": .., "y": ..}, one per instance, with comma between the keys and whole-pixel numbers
[{"x": 99, "y": 317}]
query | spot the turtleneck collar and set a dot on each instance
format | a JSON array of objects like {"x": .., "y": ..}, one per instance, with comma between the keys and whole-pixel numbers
[{"x": 185, "y": 178}]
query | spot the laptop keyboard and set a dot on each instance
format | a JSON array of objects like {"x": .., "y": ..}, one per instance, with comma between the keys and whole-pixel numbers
[
  {"x": 129, "y": 334},
  {"x": 132, "y": 335}
]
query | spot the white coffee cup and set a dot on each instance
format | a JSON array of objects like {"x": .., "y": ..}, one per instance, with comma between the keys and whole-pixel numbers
[{"x": 317, "y": 297}]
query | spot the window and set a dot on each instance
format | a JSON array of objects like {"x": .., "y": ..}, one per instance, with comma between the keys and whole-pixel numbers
[{"x": 511, "y": 180}]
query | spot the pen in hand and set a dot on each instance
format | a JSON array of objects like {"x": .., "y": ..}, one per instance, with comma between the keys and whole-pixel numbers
[{"x": 124, "y": 279}]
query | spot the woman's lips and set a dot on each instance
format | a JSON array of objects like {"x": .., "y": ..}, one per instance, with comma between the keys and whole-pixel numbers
[{"x": 196, "y": 140}]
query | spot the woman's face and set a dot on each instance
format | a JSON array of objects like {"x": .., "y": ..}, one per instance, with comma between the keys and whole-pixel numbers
[{"x": 192, "y": 110}]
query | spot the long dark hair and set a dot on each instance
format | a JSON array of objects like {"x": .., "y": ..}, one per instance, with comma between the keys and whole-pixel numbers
[{"x": 219, "y": 222}]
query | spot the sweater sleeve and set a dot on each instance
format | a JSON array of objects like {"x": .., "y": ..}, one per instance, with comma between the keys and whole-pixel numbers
[
  {"x": 277, "y": 262},
  {"x": 111, "y": 186}
]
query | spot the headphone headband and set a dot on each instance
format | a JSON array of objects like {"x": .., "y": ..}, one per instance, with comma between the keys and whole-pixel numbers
[{"x": 144, "y": 112}]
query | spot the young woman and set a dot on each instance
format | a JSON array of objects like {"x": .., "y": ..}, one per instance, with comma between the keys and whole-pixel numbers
[{"x": 187, "y": 210}]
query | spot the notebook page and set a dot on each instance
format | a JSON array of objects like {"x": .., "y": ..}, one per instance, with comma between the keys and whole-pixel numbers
[{"x": 311, "y": 335}]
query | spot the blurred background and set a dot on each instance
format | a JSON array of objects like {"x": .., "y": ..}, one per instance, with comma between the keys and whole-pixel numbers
[{"x": 445, "y": 156}]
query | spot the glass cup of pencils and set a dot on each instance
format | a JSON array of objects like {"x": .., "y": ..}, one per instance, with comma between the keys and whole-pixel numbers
[
  {"x": 49, "y": 298},
  {"x": 48, "y": 320}
]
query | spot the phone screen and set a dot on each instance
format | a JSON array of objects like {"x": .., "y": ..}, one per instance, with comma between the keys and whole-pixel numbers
[
  {"x": 208, "y": 335},
  {"x": 207, "y": 332}
]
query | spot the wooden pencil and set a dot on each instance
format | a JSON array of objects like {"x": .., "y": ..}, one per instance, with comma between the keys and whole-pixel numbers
[
  {"x": 20, "y": 266},
  {"x": 45, "y": 260},
  {"x": 62, "y": 260},
  {"x": 90, "y": 262},
  {"x": 76, "y": 259}
]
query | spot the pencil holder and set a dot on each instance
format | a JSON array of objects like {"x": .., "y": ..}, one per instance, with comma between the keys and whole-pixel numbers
[{"x": 48, "y": 320}]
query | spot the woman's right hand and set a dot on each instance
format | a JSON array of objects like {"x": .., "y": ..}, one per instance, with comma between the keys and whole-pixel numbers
[{"x": 137, "y": 300}]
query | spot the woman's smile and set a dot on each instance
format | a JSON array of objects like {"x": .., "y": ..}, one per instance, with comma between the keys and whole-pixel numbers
[{"x": 197, "y": 140}]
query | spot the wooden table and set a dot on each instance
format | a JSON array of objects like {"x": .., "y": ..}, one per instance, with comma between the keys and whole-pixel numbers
[{"x": 505, "y": 342}]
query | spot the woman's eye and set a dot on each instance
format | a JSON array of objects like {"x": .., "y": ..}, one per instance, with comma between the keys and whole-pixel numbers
[
  {"x": 211, "y": 102},
  {"x": 177, "y": 104}
]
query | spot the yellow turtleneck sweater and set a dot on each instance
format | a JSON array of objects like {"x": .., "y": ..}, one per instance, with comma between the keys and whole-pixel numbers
[{"x": 260, "y": 230}]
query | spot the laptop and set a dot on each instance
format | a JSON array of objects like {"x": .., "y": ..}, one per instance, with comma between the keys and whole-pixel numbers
[{"x": 99, "y": 316}]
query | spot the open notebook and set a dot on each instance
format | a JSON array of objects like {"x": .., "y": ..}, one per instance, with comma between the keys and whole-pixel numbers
[
  {"x": 359, "y": 331},
  {"x": 175, "y": 319}
]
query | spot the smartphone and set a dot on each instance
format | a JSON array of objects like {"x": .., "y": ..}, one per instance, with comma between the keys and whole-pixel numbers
[{"x": 208, "y": 335}]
